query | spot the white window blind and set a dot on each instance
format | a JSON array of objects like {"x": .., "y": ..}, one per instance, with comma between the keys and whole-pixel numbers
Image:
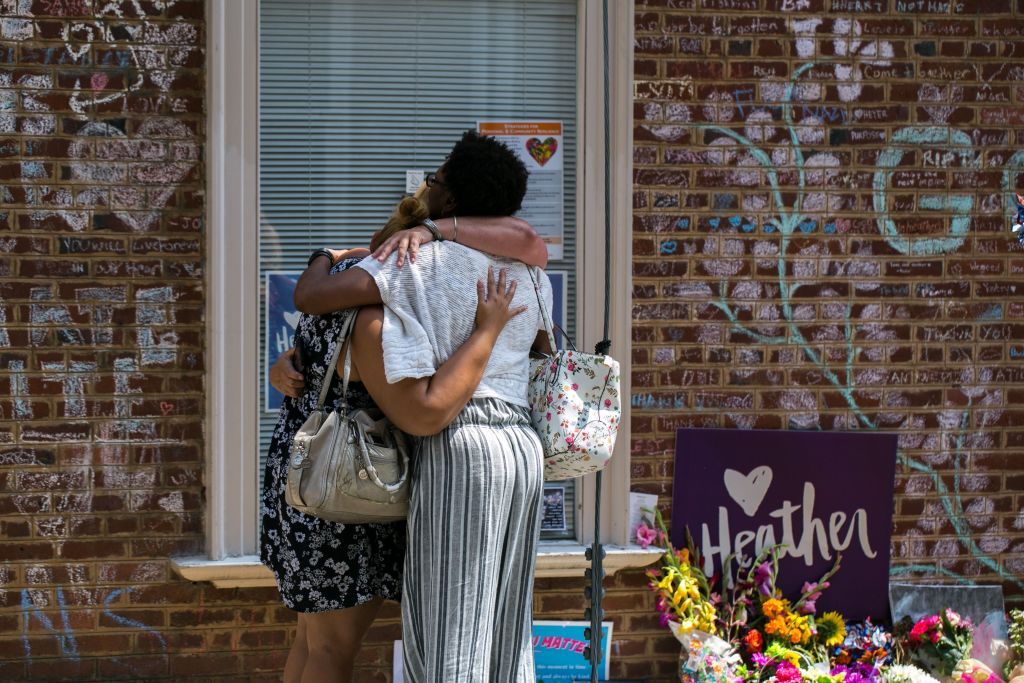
[{"x": 354, "y": 93}]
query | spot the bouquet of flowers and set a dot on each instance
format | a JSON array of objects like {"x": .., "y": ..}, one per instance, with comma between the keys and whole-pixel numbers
[
  {"x": 750, "y": 632},
  {"x": 684, "y": 595},
  {"x": 687, "y": 606},
  {"x": 709, "y": 659},
  {"x": 941, "y": 641}
]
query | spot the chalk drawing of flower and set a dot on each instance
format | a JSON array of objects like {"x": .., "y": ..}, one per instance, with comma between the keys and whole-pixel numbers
[
  {"x": 848, "y": 43},
  {"x": 849, "y": 46}
]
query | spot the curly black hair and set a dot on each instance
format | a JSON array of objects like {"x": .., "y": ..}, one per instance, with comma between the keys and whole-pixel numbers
[{"x": 484, "y": 176}]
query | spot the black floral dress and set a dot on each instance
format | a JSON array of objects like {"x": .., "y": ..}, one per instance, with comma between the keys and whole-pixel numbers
[{"x": 322, "y": 565}]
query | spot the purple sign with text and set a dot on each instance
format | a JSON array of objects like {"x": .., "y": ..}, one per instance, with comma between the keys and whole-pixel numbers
[{"x": 816, "y": 493}]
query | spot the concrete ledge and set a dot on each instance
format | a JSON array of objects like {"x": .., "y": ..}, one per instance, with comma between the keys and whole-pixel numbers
[
  {"x": 554, "y": 560},
  {"x": 562, "y": 559}
]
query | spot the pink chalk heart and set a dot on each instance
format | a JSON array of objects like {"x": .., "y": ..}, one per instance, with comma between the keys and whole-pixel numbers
[
  {"x": 166, "y": 408},
  {"x": 542, "y": 150},
  {"x": 98, "y": 81}
]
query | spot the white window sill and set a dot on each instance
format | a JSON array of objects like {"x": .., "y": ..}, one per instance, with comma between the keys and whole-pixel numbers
[{"x": 554, "y": 560}]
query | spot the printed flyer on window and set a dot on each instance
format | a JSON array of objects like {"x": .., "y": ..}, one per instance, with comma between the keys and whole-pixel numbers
[
  {"x": 280, "y": 318},
  {"x": 539, "y": 145}
]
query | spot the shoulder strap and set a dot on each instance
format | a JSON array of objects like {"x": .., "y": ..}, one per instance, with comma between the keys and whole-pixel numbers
[
  {"x": 332, "y": 365},
  {"x": 543, "y": 309}
]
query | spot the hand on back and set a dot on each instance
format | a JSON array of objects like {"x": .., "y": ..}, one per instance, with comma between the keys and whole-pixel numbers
[{"x": 493, "y": 302}]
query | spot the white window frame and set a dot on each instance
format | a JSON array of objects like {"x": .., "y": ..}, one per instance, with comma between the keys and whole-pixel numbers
[{"x": 232, "y": 154}]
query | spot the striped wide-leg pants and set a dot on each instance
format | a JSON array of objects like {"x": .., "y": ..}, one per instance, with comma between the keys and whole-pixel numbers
[{"x": 474, "y": 521}]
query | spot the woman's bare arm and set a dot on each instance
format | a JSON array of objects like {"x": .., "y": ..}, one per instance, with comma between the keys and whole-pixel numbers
[
  {"x": 499, "y": 235},
  {"x": 318, "y": 292},
  {"x": 427, "y": 405}
]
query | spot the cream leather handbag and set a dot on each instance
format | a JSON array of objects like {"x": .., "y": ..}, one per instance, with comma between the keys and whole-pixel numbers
[{"x": 347, "y": 465}]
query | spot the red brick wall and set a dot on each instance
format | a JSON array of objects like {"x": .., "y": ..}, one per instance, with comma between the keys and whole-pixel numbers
[
  {"x": 101, "y": 350},
  {"x": 921, "y": 298},
  {"x": 101, "y": 298}
]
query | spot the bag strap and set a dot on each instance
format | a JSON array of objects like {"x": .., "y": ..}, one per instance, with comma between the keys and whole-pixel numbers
[
  {"x": 548, "y": 322},
  {"x": 371, "y": 471},
  {"x": 332, "y": 364}
]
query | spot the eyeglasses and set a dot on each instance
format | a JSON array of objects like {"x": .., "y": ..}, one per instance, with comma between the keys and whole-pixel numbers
[{"x": 430, "y": 179}]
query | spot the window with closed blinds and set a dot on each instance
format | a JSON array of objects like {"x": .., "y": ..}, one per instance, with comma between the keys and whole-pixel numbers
[{"x": 354, "y": 93}]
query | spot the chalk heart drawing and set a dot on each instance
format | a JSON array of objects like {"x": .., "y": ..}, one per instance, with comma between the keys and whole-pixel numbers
[
  {"x": 292, "y": 318},
  {"x": 748, "y": 490},
  {"x": 542, "y": 150},
  {"x": 146, "y": 154}
]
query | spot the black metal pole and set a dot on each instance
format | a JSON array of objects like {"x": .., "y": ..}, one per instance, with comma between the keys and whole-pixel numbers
[{"x": 594, "y": 590}]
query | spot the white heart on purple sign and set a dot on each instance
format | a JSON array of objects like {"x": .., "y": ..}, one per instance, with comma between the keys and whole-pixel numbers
[
  {"x": 292, "y": 318},
  {"x": 748, "y": 490}
]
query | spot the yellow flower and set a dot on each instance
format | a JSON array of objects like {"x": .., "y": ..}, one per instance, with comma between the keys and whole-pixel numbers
[
  {"x": 666, "y": 583},
  {"x": 776, "y": 627},
  {"x": 831, "y": 626},
  {"x": 773, "y": 607},
  {"x": 800, "y": 629}
]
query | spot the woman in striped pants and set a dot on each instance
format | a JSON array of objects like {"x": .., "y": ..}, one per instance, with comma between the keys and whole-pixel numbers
[{"x": 474, "y": 514}]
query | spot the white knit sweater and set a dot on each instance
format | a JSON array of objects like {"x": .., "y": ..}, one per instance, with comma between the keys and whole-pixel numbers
[{"x": 429, "y": 312}]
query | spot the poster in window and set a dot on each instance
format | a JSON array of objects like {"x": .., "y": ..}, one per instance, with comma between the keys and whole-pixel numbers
[
  {"x": 559, "y": 286},
  {"x": 553, "y": 518},
  {"x": 281, "y": 318},
  {"x": 540, "y": 145}
]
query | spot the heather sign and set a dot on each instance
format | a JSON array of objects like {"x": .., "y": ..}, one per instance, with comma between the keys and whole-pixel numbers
[{"x": 815, "y": 494}]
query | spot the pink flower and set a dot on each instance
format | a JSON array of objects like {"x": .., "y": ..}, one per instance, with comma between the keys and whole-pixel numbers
[
  {"x": 787, "y": 673},
  {"x": 645, "y": 535},
  {"x": 763, "y": 578},
  {"x": 921, "y": 630}
]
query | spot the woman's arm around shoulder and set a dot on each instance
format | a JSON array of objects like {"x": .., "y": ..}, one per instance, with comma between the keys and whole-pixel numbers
[
  {"x": 318, "y": 291},
  {"x": 506, "y": 236}
]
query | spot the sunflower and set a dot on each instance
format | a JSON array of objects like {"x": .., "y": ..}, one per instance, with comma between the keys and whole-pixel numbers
[{"x": 831, "y": 628}]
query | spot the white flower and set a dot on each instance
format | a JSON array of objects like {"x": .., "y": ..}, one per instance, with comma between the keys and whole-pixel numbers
[{"x": 906, "y": 674}]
